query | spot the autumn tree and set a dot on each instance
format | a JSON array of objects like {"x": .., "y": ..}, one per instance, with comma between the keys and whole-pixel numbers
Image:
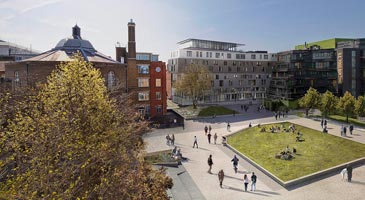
[
  {"x": 360, "y": 106},
  {"x": 194, "y": 82},
  {"x": 346, "y": 105},
  {"x": 310, "y": 100},
  {"x": 328, "y": 103},
  {"x": 70, "y": 141}
]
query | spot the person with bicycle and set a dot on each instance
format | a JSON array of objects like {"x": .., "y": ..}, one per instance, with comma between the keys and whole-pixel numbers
[{"x": 235, "y": 163}]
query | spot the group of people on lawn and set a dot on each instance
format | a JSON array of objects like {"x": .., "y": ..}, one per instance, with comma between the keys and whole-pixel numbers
[{"x": 286, "y": 154}]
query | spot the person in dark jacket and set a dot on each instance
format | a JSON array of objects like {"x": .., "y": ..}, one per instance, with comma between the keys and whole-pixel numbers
[
  {"x": 349, "y": 173},
  {"x": 220, "y": 177},
  {"x": 210, "y": 163},
  {"x": 253, "y": 181}
]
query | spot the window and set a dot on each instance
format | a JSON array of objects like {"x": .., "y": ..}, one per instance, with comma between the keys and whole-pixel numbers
[
  {"x": 230, "y": 83},
  {"x": 143, "y": 69},
  {"x": 266, "y": 57},
  {"x": 229, "y": 69},
  {"x": 143, "y": 82},
  {"x": 217, "y": 55},
  {"x": 111, "y": 80},
  {"x": 225, "y": 63},
  {"x": 142, "y": 56},
  {"x": 158, "y": 82},
  {"x": 210, "y": 54},
  {"x": 228, "y": 55},
  {"x": 197, "y": 54},
  {"x": 159, "y": 109},
  {"x": 154, "y": 58},
  {"x": 201, "y": 54},
  {"x": 253, "y": 56},
  {"x": 215, "y": 62},
  {"x": 220, "y": 68},
  {"x": 158, "y": 95},
  {"x": 238, "y": 69},
  {"x": 217, "y": 76},
  {"x": 143, "y": 96},
  {"x": 189, "y": 54},
  {"x": 221, "y": 83}
]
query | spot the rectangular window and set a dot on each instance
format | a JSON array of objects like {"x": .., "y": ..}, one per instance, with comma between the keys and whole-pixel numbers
[
  {"x": 224, "y": 62},
  {"x": 143, "y": 82},
  {"x": 219, "y": 68},
  {"x": 228, "y": 55},
  {"x": 158, "y": 82},
  {"x": 217, "y": 76},
  {"x": 142, "y": 56},
  {"x": 230, "y": 83},
  {"x": 201, "y": 54},
  {"x": 158, "y": 95},
  {"x": 143, "y": 69},
  {"x": 159, "y": 109},
  {"x": 253, "y": 56},
  {"x": 217, "y": 55},
  {"x": 197, "y": 54},
  {"x": 143, "y": 96},
  {"x": 207, "y": 55},
  {"x": 189, "y": 53},
  {"x": 221, "y": 83},
  {"x": 210, "y": 54},
  {"x": 154, "y": 58},
  {"x": 266, "y": 57}
]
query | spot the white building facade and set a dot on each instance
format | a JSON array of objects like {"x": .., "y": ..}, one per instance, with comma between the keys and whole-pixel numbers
[{"x": 238, "y": 75}]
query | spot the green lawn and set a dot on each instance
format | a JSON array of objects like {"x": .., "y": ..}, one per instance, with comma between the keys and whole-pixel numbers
[
  {"x": 343, "y": 119},
  {"x": 217, "y": 110},
  {"x": 319, "y": 151}
]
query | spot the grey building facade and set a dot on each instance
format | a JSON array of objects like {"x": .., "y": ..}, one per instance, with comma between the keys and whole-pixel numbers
[{"x": 238, "y": 75}]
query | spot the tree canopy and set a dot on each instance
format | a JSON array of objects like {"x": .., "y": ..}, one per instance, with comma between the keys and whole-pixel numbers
[
  {"x": 360, "y": 106},
  {"x": 310, "y": 100},
  {"x": 194, "y": 82},
  {"x": 328, "y": 103},
  {"x": 70, "y": 141},
  {"x": 346, "y": 104}
]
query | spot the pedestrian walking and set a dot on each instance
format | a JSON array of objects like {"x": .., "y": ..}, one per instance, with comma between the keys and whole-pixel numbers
[
  {"x": 279, "y": 114},
  {"x": 210, "y": 128},
  {"x": 344, "y": 131},
  {"x": 206, "y": 129},
  {"x": 253, "y": 181},
  {"x": 245, "y": 181},
  {"x": 325, "y": 123},
  {"x": 349, "y": 173},
  {"x": 276, "y": 116},
  {"x": 183, "y": 126},
  {"x": 241, "y": 107},
  {"x": 322, "y": 121},
  {"x": 210, "y": 163},
  {"x": 343, "y": 174},
  {"x": 168, "y": 139},
  {"x": 351, "y": 128},
  {"x": 228, "y": 126},
  {"x": 173, "y": 139},
  {"x": 235, "y": 163},
  {"x": 195, "y": 142},
  {"x": 209, "y": 136},
  {"x": 215, "y": 138},
  {"x": 220, "y": 177}
]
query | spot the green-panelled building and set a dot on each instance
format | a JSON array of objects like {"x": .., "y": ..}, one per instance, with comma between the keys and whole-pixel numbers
[{"x": 324, "y": 44}]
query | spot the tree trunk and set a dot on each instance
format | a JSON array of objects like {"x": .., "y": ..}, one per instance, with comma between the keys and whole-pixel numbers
[{"x": 347, "y": 118}]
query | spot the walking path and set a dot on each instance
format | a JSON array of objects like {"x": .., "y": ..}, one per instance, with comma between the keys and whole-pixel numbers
[{"x": 327, "y": 188}]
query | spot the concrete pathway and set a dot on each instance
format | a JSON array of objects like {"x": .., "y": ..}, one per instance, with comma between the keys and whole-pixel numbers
[{"x": 327, "y": 188}]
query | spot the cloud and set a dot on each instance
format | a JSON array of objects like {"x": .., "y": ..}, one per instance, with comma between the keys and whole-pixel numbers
[{"x": 39, "y": 5}]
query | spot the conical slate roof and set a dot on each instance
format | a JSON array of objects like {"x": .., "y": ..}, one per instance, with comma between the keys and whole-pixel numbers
[{"x": 66, "y": 47}]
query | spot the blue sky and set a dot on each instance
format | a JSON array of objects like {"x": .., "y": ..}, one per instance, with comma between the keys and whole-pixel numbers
[{"x": 273, "y": 25}]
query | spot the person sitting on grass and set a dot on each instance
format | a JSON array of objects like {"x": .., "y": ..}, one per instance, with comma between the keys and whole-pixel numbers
[
  {"x": 263, "y": 129},
  {"x": 287, "y": 150},
  {"x": 294, "y": 150},
  {"x": 299, "y": 135}
]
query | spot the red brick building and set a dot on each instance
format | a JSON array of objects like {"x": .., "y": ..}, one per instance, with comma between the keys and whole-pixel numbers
[
  {"x": 146, "y": 77},
  {"x": 36, "y": 69}
]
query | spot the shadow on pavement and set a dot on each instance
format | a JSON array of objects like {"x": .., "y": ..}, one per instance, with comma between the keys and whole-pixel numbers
[
  {"x": 268, "y": 192},
  {"x": 358, "y": 182}
]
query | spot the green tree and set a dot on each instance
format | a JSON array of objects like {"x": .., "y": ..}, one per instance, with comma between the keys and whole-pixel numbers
[
  {"x": 70, "y": 141},
  {"x": 310, "y": 100},
  {"x": 194, "y": 82},
  {"x": 346, "y": 105},
  {"x": 360, "y": 106},
  {"x": 328, "y": 103}
]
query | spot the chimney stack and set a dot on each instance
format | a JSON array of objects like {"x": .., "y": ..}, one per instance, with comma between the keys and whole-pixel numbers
[{"x": 131, "y": 40}]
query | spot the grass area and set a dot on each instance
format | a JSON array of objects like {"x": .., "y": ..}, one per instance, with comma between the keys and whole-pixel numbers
[
  {"x": 319, "y": 151},
  {"x": 158, "y": 158},
  {"x": 343, "y": 119},
  {"x": 217, "y": 110}
]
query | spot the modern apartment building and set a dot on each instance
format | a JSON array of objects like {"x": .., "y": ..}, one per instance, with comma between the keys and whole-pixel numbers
[
  {"x": 351, "y": 67},
  {"x": 238, "y": 75},
  {"x": 145, "y": 77},
  {"x": 297, "y": 70}
]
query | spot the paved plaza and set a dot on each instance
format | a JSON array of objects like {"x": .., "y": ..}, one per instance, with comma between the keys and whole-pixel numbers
[{"x": 193, "y": 182}]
